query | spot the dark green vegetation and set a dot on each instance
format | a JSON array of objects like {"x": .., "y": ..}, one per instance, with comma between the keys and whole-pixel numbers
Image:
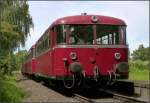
[
  {"x": 139, "y": 65},
  {"x": 9, "y": 92},
  {"x": 15, "y": 24},
  {"x": 142, "y": 53},
  {"x": 11, "y": 63},
  {"x": 139, "y": 70}
]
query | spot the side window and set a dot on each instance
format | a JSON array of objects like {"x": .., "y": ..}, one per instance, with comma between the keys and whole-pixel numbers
[
  {"x": 60, "y": 32},
  {"x": 43, "y": 44},
  {"x": 122, "y": 31},
  {"x": 46, "y": 41},
  {"x": 38, "y": 48}
]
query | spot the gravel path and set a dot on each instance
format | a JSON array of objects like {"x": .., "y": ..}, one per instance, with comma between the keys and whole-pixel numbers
[{"x": 36, "y": 92}]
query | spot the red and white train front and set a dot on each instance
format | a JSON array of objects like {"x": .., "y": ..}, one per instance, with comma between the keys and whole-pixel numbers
[
  {"x": 90, "y": 47},
  {"x": 82, "y": 47}
]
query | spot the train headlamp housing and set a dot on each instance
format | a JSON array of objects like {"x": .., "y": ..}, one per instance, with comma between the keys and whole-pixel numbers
[
  {"x": 117, "y": 56},
  {"x": 94, "y": 19},
  {"x": 73, "y": 56}
]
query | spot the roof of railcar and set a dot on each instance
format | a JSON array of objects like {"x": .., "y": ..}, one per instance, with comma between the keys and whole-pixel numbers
[
  {"x": 86, "y": 19},
  {"x": 33, "y": 46}
]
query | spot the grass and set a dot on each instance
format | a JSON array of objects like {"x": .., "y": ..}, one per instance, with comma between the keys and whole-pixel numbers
[
  {"x": 9, "y": 92},
  {"x": 139, "y": 70}
]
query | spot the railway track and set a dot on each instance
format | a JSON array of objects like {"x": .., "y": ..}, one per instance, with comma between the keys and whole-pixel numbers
[
  {"x": 83, "y": 99},
  {"x": 117, "y": 95},
  {"x": 121, "y": 97}
]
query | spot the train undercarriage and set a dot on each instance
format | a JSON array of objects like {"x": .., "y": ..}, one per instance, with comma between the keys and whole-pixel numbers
[{"x": 77, "y": 80}]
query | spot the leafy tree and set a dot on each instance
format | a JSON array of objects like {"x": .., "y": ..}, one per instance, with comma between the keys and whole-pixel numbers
[
  {"x": 7, "y": 65},
  {"x": 19, "y": 57},
  {"x": 15, "y": 24},
  {"x": 141, "y": 53}
]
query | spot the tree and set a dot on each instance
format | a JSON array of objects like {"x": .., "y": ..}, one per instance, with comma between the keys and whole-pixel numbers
[
  {"x": 19, "y": 57},
  {"x": 141, "y": 53},
  {"x": 15, "y": 24}
]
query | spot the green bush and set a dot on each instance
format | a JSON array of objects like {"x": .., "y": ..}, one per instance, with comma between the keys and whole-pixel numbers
[
  {"x": 7, "y": 65},
  {"x": 138, "y": 64},
  {"x": 139, "y": 70},
  {"x": 9, "y": 92}
]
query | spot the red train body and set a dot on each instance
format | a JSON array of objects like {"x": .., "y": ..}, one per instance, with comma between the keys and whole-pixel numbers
[{"x": 80, "y": 47}]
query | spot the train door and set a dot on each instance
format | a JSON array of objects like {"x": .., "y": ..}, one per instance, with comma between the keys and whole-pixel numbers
[
  {"x": 33, "y": 60},
  {"x": 49, "y": 55}
]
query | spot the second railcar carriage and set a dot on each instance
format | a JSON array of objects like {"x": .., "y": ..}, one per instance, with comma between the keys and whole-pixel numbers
[
  {"x": 83, "y": 47},
  {"x": 28, "y": 65}
]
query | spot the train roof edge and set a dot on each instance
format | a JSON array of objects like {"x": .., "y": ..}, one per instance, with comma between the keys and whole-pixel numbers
[{"x": 86, "y": 19}]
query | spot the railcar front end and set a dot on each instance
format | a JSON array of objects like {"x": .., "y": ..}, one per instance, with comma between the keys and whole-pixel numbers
[
  {"x": 82, "y": 48},
  {"x": 90, "y": 52}
]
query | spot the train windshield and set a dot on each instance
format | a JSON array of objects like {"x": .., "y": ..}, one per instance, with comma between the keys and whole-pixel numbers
[
  {"x": 80, "y": 34},
  {"x": 107, "y": 34},
  {"x": 74, "y": 34},
  {"x": 84, "y": 34}
]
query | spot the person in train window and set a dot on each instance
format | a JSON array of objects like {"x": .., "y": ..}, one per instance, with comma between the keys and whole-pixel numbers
[{"x": 71, "y": 36}]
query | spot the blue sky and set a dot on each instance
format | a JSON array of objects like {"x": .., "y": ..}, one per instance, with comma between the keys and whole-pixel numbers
[{"x": 134, "y": 13}]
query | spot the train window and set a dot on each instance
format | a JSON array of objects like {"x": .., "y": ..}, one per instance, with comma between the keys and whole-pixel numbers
[
  {"x": 80, "y": 34},
  {"x": 107, "y": 34},
  {"x": 122, "y": 32},
  {"x": 105, "y": 39},
  {"x": 46, "y": 41},
  {"x": 38, "y": 48},
  {"x": 110, "y": 39},
  {"x": 60, "y": 34},
  {"x": 43, "y": 44}
]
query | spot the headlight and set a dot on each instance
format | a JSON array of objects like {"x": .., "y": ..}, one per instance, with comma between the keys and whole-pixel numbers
[
  {"x": 73, "y": 55},
  {"x": 122, "y": 67},
  {"x": 75, "y": 67},
  {"x": 94, "y": 19},
  {"x": 117, "y": 56}
]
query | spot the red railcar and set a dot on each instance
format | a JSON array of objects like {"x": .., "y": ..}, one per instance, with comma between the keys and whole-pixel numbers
[
  {"x": 81, "y": 47},
  {"x": 28, "y": 66}
]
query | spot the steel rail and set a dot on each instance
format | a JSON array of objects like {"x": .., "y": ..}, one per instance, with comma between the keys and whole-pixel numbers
[
  {"x": 122, "y": 97},
  {"x": 83, "y": 99},
  {"x": 141, "y": 84}
]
